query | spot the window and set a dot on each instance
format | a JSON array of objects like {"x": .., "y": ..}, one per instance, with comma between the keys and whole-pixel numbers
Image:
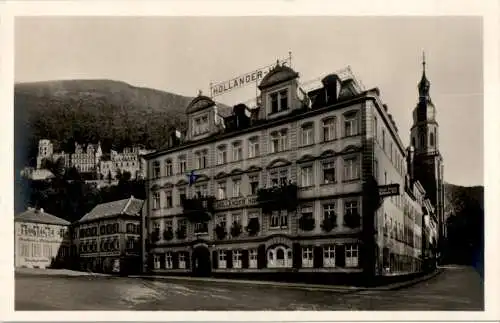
[
  {"x": 274, "y": 102},
  {"x": 252, "y": 254},
  {"x": 279, "y": 141},
  {"x": 351, "y": 168},
  {"x": 329, "y": 256},
  {"x": 182, "y": 165},
  {"x": 156, "y": 200},
  {"x": 201, "y": 227},
  {"x": 201, "y": 190},
  {"x": 168, "y": 199},
  {"x": 329, "y": 132},
  {"x": 24, "y": 250},
  {"x": 221, "y": 155},
  {"x": 279, "y": 257},
  {"x": 236, "y": 259},
  {"x": 221, "y": 190},
  {"x": 432, "y": 139},
  {"x": 351, "y": 208},
  {"x": 307, "y": 176},
  {"x": 200, "y": 125},
  {"x": 182, "y": 260},
  {"x": 236, "y": 187},
  {"x": 329, "y": 172},
  {"x": 237, "y": 151},
  {"x": 375, "y": 128},
  {"x": 182, "y": 194},
  {"x": 351, "y": 255},
  {"x": 279, "y": 219},
  {"x": 156, "y": 169},
  {"x": 253, "y": 147},
  {"x": 222, "y": 259},
  {"x": 283, "y": 177},
  {"x": 329, "y": 211},
  {"x": 307, "y": 257},
  {"x": 351, "y": 124},
  {"x": 168, "y": 261},
  {"x": 156, "y": 261},
  {"x": 307, "y": 134},
  {"x": 375, "y": 169},
  {"x": 254, "y": 183},
  {"x": 221, "y": 221},
  {"x": 283, "y": 100},
  {"x": 274, "y": 178},
  {"x": 169, "y": 225},
  {"x": 182, "y": 225},
  {"x": 201, "y": 159},
  {"x": 168, "y": 168}
]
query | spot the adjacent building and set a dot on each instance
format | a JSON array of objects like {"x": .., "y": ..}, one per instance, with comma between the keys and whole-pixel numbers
[
  {"x": 41, "y": 239},
  {"x": 108, "y": 238},
  {"x": 306, "y": 182}
]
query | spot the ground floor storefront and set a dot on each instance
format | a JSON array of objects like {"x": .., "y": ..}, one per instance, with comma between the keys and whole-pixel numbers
[
  {"x": 116, "y": 264},
  {"x": 335, "y": 260}
]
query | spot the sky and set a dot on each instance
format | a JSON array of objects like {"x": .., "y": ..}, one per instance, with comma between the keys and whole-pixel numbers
[{"x": 184, "y": 54}]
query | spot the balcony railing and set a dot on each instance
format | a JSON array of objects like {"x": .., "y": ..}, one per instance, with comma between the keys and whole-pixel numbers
[
  {"x": 198, "y": 209},
  {"x": 283, "y": 197}
]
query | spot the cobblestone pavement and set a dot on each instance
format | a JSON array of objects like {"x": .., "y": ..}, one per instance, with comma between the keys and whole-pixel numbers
[{"x": 457, "y": 288}]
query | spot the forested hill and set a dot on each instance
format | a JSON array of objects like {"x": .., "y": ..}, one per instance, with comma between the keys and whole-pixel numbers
[{"x": 90, "y": 110}]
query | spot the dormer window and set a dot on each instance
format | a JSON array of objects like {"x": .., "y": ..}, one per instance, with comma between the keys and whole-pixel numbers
[
  {"x": 279, "y": 101},
  {"x": 200, "y": 125},
  {"x": 279, "y": 141}
]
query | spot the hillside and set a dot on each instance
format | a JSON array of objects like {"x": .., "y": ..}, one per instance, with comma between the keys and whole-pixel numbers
[{"x": 90, "y": 110}]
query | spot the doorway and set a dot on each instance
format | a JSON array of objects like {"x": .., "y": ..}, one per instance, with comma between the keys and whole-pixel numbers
[{"x": 201, "y": 261}]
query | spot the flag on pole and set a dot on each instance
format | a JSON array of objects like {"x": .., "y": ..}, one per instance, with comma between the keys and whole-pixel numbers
[{"x": 192, "y": 177}]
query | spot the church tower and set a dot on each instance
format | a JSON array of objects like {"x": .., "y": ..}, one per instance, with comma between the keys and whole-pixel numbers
[{"x": 428, "y": 165}]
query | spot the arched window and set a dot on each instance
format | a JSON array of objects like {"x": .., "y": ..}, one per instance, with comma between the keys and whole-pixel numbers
[
  {"x": 422, "y": 141},
  {"x": 432, "y": 139},
  {"x": 413, "y": 141},
  {"x": 279, "y": 257}
]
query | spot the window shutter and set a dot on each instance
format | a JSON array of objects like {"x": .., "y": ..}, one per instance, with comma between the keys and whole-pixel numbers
[
  {"x": 297, "y": 255},
  {"x": 244, "y": 258},
  {"x": 229, "y": 259},
  {"x": 318, "y": 257},
  {"x": 340, "y": 255},
  {"x": 188, "y": 259},
  {"x": 215, "y": 259},
  {"x": 175, "y": 260},
  {"x": 261, "y": 256},
  {"x": 162, "y": 261}
]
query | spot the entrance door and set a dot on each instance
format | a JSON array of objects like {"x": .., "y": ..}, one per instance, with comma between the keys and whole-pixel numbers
[{"x": 201, "y": 261}]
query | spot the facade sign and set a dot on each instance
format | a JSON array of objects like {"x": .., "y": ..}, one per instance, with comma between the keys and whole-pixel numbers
[
  {"x": 388, "y": 190},
  {"x": 243, "y": 80}
]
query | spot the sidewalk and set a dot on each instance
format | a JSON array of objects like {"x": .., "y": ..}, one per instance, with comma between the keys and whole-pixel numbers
[
  {"x": 55, "y": 272},
  {"x": 315, "y": 287}
]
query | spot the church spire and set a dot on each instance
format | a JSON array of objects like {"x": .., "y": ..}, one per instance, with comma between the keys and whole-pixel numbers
[{"x": 424, "y": 84}]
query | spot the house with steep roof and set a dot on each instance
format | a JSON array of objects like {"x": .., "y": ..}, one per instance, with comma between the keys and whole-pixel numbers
[
  {"x": 108, "y": 237},
  {"x": 41, "y": 239}
]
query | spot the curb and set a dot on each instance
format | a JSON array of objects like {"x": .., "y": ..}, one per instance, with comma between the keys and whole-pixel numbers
[
  {"x": 409, "y": 283},
  {"x": 331, "y": 288}
]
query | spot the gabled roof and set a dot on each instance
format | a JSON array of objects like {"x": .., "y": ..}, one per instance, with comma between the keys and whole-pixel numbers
[
  {"x": 199, "y": 103},
  {"x": 279, "y": 74},
  {"x": 130, "y": 206},
  {"x": 39, "y": 216}
]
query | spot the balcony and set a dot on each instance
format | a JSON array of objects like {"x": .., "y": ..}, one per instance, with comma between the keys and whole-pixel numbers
[
  {"x": 235, "y": 202},
  {"x": 283, "y": 197},
  {"x": 198, "y": 209}
]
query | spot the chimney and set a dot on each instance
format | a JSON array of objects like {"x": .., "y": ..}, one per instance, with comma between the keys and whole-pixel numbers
[
  {"x": 242, "y": 115},
  {"x": 331, "y": 84},
  {"x": 175, "y": 138}
]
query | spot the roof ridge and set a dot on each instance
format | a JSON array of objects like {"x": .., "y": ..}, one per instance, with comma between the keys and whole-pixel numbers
[{"x": 128, "y": 204}]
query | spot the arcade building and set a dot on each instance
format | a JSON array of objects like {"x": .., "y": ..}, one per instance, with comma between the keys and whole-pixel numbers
[{"x": 306, "y": 182}]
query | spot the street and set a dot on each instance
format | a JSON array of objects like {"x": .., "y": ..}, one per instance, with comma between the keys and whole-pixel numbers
[{"x": 457, "y": 288}]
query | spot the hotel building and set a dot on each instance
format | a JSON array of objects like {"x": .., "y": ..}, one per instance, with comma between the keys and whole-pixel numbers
[
  {"x": 297, "y": 184},
  {"x": 41, "y": 240}
]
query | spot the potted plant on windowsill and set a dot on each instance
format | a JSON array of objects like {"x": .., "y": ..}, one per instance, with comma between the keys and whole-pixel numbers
[
  {"x": 168, "y": 234},
  {"x": 253, "y": 226},
  {"x": 329, "y": 223},
  {"x": 220, "y": 232},
  {"x": 352, "y": 220},
  {"x": 236, "y": 229},
  {"x": 306, "y": 222}
]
